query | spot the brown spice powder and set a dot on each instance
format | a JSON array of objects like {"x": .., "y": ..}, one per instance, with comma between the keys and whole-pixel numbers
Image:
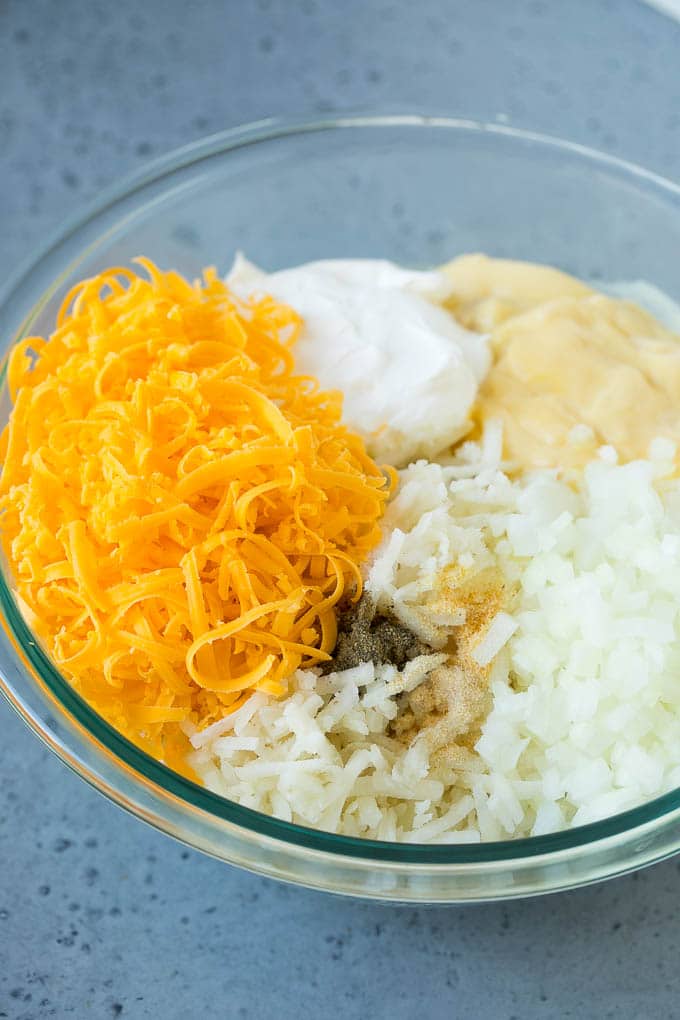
[{"x": 449, "y": 707}]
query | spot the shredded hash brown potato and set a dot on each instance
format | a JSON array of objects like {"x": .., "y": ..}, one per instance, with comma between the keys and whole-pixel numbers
[{"x": 180, "y": 511}]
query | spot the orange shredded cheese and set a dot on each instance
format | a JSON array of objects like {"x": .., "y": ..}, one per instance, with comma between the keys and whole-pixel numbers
[{"x": 181, "y": 512}]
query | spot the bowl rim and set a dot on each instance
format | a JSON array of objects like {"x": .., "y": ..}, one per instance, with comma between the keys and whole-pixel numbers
[{"x": 653, "y": 812}]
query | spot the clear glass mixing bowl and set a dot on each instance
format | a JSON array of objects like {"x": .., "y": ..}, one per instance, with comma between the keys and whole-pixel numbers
[{"x": 417, "y": 190}]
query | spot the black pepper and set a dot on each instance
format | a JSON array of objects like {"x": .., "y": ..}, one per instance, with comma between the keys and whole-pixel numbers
[{"x": 366, "y": 634}]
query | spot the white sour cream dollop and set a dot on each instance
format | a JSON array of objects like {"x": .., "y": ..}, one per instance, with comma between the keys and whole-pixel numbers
[{"x": 408, "y": 371}]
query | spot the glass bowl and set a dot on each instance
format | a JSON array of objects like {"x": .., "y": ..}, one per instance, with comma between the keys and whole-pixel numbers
[{"x": 417, "y": 190}]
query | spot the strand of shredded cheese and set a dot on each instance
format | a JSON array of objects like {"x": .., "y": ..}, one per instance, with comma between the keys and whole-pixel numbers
[{"x": 181, "y": 512}]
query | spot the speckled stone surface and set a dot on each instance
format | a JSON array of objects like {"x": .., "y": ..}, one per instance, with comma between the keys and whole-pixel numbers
[{"x": 99, "y": 915}]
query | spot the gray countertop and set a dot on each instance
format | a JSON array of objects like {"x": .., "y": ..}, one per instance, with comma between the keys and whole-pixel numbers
[{"x": 99, "y": 915}]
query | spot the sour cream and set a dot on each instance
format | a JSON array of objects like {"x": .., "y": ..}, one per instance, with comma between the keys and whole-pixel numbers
[{"x": 408, "y": 371}]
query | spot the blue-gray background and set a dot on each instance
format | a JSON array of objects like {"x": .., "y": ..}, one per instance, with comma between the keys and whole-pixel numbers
[{"x": 100, "y": 916}]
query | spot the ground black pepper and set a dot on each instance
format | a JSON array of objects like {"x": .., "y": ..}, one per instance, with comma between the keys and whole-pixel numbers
[{"x": 367, "y": 635}]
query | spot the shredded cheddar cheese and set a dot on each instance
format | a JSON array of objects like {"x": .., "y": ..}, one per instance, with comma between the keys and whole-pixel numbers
[{"x": 181, "y": 512}]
